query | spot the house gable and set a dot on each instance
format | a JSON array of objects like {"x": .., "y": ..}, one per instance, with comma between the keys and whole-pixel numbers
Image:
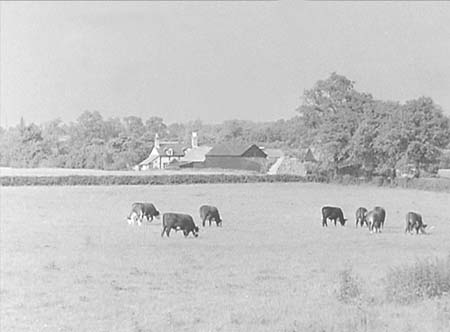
[{"x": 254, "y": 151}]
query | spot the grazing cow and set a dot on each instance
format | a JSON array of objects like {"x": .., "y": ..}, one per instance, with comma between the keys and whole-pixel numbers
[
  {"x": 208, "y": 212},
  {"x": 134, "y": 218},
  {"x": 382, "y": 214},
  {"x": 375, "y": 219},
  {"x": 136, "y": 214},
  {"x": 414, "y": 222},
  {"x": 147, "y": 210},
  {"x": 178, "y": 221},
  {"x": 361, "y": 217},
  {"x": 332, "y": 213}
]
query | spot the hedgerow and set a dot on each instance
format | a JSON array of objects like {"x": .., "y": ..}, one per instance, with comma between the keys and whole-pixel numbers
[{"x": 73, "y": 180}]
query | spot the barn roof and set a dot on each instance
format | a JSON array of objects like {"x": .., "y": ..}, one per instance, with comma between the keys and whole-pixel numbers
[
  {"x": 196, "y": 154},
  {"x": 235, "y": 150},
  {"x": 273, "y": 153},
  {"x": 308, "y": 156}
]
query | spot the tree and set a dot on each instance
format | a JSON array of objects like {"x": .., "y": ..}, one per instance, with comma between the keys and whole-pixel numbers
[
  {"x": 134, "y": 126},
  {"x": 332, "y": 110},
  {"x": 90, "y": 125}
]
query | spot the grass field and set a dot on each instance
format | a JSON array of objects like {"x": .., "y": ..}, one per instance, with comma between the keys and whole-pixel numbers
[{"x": 70, "y": 262}]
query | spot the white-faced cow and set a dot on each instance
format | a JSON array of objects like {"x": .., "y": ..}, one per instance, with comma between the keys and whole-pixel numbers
[
  {"x": 334, "y": 214},
  {"x": 361, "y": 217},
  {"x": 178, "y": 221},
  {"x": 142, "y": 210},
  {"x": 208, "y": 212},
  {"x": 375, "y": 219},
  {"x": 414, "y": 222}
]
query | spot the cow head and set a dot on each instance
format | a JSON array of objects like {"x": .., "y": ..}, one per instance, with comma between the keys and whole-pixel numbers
[
  {"x": 157, "y": 215},
  {"x": 133, "y": 219},
  {"x": 195, "y": 231},
  {"x": 342, "y": 221}
]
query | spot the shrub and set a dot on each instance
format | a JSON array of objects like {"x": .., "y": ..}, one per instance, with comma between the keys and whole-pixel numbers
[
  {"x": 349, "y": 286},
  {"x": 424, "y": 279}
]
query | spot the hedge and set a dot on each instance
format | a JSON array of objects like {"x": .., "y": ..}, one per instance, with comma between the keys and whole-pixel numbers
[
  {"x": 431, "y": 184},
  {"x": 86, "y": 180}
]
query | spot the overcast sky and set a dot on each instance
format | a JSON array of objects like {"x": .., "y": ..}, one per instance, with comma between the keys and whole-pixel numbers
[{"x": 213, "y": 61}]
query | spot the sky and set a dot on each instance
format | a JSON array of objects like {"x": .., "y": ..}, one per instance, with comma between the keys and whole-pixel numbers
[{"x": 213, "y": 61}]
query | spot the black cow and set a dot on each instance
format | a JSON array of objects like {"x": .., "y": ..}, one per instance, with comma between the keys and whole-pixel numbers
[
  {"x": 361, "y": 216},
  {"x": 208, "y": 212},
  {"x": 382, "y": 214},
  {"x": 375, "y": 219},
  {"x": 332, "y": 213},
  {"x": 414, "y": 222},
  {"x": 178, "y": 221}
]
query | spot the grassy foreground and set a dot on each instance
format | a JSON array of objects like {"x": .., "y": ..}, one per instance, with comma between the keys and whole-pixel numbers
[{"x": 70, "y": 262}]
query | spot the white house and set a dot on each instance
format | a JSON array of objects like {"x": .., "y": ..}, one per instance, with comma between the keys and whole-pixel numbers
[{"x": 162, "y": 154}]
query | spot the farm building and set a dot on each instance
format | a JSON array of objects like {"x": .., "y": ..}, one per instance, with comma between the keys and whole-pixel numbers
[
  {"x": 299, "y": 166},
  {"x": 236, "y": 156},
  {"x": 196, "y": 154},
  {"x": 273, "y": 153},
  {"x": 175, "y": 155},
  {"x": 162, "y": 154}
]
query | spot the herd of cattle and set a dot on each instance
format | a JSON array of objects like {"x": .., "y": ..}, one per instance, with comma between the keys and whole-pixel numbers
[
  {"x": 373, "y": 219},
  {"x": 171, "y": 220}
]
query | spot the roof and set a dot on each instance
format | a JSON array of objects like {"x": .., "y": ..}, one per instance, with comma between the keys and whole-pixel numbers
[
  {"x": 148, "y": 160},
  {"x": 309, "y": 156},
  {"x": 273, "y": 153},
  {"x": 177, "y": 148},
  {"x": 230, "y": 149},
  {"x": 196, "y": 154}
]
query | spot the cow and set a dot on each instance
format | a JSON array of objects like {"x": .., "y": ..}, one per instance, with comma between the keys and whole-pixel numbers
[
  {"x": 382, "y": 214},
  {"x": 375, "y": 219},
  {"x": 361, "y": 216},
  {"x": 208, "y": 212},
  {"x": 178, "y": 221},
  {"x": 332, "y": 213},
  {"x": 142, "y": 210},
  {"x": 414, "y": 222},
  {"x": 134, "y": 218}
]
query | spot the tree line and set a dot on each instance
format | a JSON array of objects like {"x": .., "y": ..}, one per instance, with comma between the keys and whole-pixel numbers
[{"x": 349, "y": 131}]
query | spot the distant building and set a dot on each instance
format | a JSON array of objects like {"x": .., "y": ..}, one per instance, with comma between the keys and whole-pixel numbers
[
  {"x": 236, "y": 156},
  {"x": 273, "y": 153},
  {"x": 175, "y": 155},
  {"x": 162, "y": 154},
  {"x": 302, "y": 165},
  {"x": 194, "y": 156}
]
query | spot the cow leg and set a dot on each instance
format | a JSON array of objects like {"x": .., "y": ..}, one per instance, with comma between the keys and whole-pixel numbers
[
  {"x": 162, "y": 233},
  {"x": 210, "y": 218},
  {"x": 185, "y": 232},
  {"x": 168, "y": 231},
  {"x": 203, "y": 221},
  {"x": 324, "y": 222}
]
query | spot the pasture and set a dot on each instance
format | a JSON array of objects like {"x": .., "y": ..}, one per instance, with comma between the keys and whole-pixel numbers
[{"x": 70, "y": 262}]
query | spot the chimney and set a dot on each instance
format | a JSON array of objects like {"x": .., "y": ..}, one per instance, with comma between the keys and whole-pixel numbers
[
  {"x": 194, "y": 140},
  {"x": 157, "y": 141}
]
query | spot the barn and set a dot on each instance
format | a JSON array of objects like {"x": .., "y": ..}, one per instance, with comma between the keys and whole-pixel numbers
[{"x": 236, "y": 156}]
